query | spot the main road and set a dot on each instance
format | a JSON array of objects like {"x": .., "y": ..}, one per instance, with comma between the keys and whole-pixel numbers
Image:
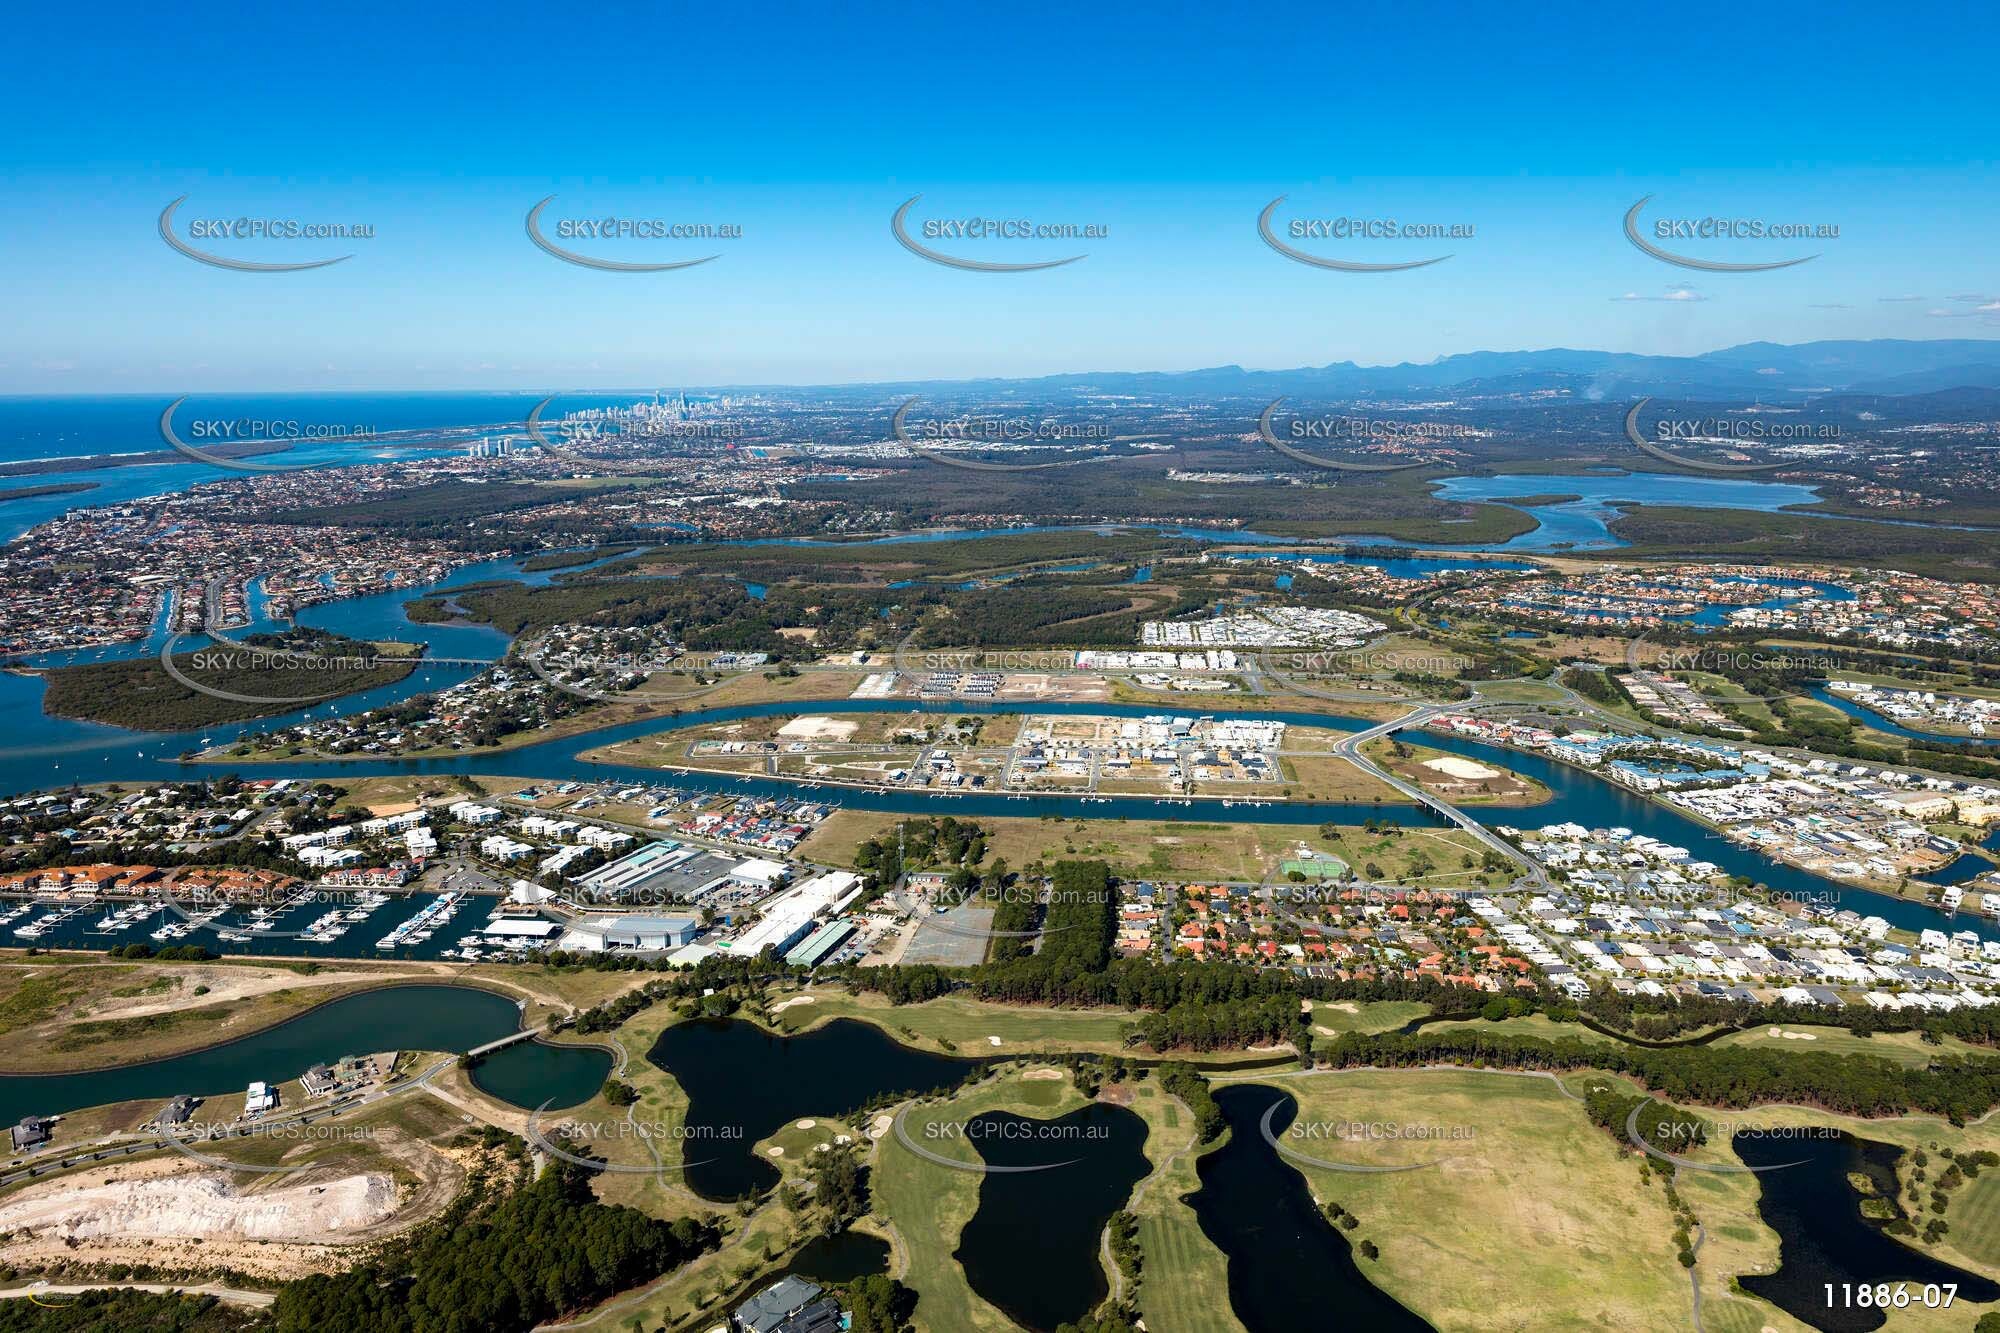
[{"x": 1349, "y": 748}]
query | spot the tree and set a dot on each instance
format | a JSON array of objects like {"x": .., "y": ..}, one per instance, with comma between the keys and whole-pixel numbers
[
  {"x": 840, "y": 1186},
  {"x": 878, "y": 1304}
]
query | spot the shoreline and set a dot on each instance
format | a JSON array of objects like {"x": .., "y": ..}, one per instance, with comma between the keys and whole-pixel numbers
[{"x": 361, "y": 989}]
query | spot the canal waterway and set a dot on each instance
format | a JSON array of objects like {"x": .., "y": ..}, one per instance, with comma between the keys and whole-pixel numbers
[
  {"x": 1869, "y": 717},
  {"x": 1576, "y": 796},
  {"x": 43, "y": 752},
  {"x": 411, "y": 1018}
]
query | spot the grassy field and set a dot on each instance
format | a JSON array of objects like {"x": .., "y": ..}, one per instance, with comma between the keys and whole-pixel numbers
[
  {"x": 966, "y": 1026},
  {"x": 1534, "y": 1222},
  {"x": 1184, "y": 1281},
  {"x": 1739, "y": 1242},
  {"x": 384, "y": 1136},
  {"x": 1191, "y": 851},
  {"x": 393, "y": 795},
  {"x": 1538, "y": 1026},
  {"x": 76, "y": 1011},
  {"x": 1413, "y": 763},
  {"x": 1975, "y": 1219},
  {"x": 1907, "y": 1048},
  {"x": 1324, "y": 777},
  {"x": 1520, "y": 692},
  {"x": 1331, "y": 1018},
  {"x": 928, "y": 1205},
  {"x": 77, "y": 1015}
]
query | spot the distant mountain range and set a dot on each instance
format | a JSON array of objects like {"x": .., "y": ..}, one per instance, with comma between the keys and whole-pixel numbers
[{"x": 1770, "y": 371}]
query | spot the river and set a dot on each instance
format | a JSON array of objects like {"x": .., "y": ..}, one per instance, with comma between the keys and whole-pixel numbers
[
  {"x": 1577, "y": 796},
  {"x": 43, "y": 752}
]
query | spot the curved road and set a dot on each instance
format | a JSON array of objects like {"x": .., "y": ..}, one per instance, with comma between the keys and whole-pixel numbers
[{"x": 1349, "y": 748}]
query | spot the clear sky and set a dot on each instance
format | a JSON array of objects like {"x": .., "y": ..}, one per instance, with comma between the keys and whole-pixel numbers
[{"x": 1169, "y": 125}]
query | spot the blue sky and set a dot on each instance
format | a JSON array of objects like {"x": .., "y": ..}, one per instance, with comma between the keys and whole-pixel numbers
[{"x": 1171, "y": 126}]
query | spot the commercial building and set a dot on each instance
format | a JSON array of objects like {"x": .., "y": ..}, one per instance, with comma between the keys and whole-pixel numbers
[
  {"x": 650, "y": 934},
  {"x": 819, "y": 945},
  {"x": 657, "y": 872},
  {"x": 794, "y": 914},
  {"x": 500, "y": 847}
]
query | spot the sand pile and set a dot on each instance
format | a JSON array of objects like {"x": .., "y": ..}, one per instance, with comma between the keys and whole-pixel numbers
[{"x": 206, "y": 1206}]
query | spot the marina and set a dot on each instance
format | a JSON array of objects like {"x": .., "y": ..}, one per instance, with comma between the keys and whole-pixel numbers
[{"x": 317, "y": 924}]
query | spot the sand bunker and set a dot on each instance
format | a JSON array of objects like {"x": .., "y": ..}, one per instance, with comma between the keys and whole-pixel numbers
[
  {"x": 1461, "y": 768},
  {"x": 783, "y": 1005},
  {"x": 206, "y": 1206},
  {"x": 1042, "y": 1075}
]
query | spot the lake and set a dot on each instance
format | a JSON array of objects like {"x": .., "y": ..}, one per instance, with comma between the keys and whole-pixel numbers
[
  {"x": 1581, "y": 524},
  {"x": 743, "y": 1084},
  {"x": 1289, "y": 1268},
  {"x": 1031, "y": 1248},
  {"x": 1823, "y": 1238}
]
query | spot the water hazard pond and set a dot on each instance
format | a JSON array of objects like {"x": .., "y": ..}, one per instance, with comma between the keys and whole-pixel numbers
[
  {"x": 1288, "y": 1266},
  {"x": 1046, "y": 1186},
  {"x": 1051, "y": 1185},
  {"x": 743, "y": 1084},
  {"x": 409, "y": 1018},
  {"x": 1823, "y": 1237}
]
